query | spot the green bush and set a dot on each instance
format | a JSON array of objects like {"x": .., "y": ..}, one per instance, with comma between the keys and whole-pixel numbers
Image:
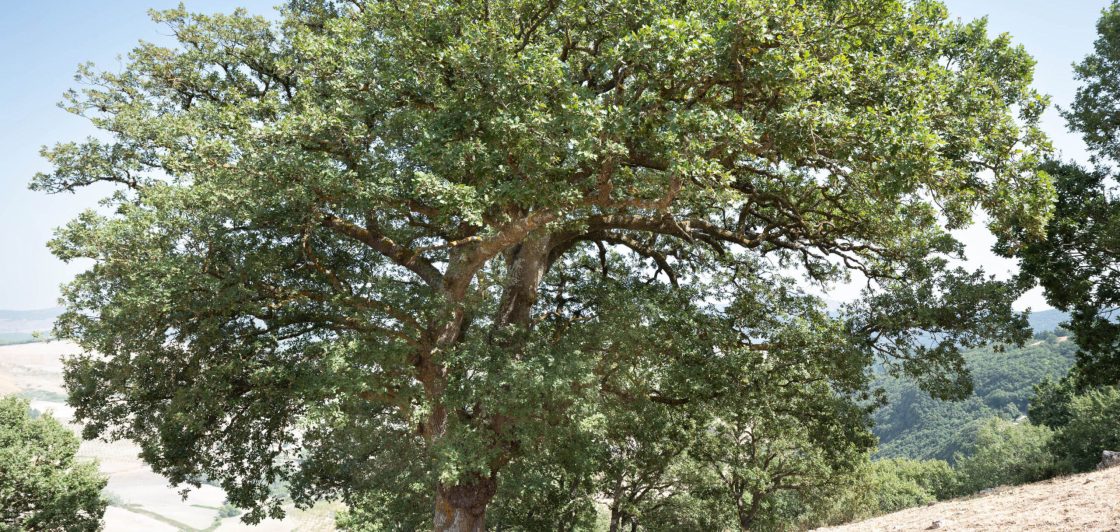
[
  {"x": 936, "y": 477},
  {"x": 42, "y": 485},
  {"x": 1094, "y": 425},
  {"x": 228, "y": 510},
  {"x": 885, "y": 486},
  {"x": 901, "y": 483},
  {"x": 1050, "y": 405},
  {"x": 1005, "y": 453}
]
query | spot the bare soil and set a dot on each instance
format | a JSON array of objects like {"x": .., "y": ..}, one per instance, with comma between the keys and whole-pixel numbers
[{"x": 1086, "y": 502}]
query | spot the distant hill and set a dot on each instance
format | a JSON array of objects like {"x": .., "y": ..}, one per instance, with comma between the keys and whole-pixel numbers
[
  {"x": 31, "y": 315},
  {"x": 1047, "y": 320},
  {"x": 18, "y": 338},
  {"x": 913, "y": 425},
  {"x": 16, "y": 326}
]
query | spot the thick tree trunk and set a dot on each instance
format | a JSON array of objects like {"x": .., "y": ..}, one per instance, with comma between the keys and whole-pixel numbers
[
  {"x": 747, "y": 514},
  {"x": 463, "y": 508},
  {"x": 619, "y": 519},
  {"x": 527, "y": 265}
]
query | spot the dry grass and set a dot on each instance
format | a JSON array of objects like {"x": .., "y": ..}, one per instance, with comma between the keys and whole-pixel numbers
[{"x": 1086, "y": 502}]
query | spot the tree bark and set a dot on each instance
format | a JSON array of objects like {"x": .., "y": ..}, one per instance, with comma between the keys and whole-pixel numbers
[
  {"x": 747, "y": 514},
  {"x": 527, "y": 263},
  {"x": 462, "y": 508}
]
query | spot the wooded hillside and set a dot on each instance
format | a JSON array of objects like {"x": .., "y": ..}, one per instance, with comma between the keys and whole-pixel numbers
[{"x": 913, "y": 425}]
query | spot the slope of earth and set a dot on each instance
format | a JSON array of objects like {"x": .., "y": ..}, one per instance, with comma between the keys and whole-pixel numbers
[
  {"x": 140, "y": 498},
  {"x": 1086, "y": 502}
]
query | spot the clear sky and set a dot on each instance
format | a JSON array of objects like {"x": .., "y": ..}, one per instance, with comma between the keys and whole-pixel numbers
[{"x": 42, "y": 42}]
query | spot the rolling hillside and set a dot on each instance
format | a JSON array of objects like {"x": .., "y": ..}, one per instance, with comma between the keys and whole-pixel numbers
[
  {"x": 912, "y": 425},
  {"x": 20, "y": 326}
]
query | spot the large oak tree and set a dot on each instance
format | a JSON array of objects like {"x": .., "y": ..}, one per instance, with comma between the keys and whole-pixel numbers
[{"x": 374, "y": 242}]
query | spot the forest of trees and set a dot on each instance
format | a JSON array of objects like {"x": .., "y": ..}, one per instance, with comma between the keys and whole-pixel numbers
[
  {"x": 543, "y": 265},
  {"x": 913, "y": 425}
]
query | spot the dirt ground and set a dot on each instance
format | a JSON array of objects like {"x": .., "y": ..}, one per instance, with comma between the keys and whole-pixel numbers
[
  {"x": 1086, "y": 502},
  {"x": 142, "y": 499}
]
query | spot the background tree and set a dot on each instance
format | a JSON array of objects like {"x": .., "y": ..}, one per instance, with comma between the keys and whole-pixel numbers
[
  {"x": 792, "y": 425},
  {"x": 1092, "y": 427},
  {"x": 1078, "y": 263},
  {"x": 1005, "y": 453},
  {"x": 644, "y": 446},
  {"x": 1078, "y": 266},
  {"x": 1050, "y": 405},
  {"x": 472, "y": 227},
  {"x": 42, "y": 485}
]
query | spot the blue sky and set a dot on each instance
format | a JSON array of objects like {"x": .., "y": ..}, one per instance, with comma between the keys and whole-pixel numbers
[{"x": 42, "y": 42}]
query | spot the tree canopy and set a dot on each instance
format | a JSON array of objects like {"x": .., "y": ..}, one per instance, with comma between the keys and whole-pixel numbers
[
  {"x": 42, "y": 485},
  {"x": 1078, "y": 261},
  {"x": 420, "y": 246}
]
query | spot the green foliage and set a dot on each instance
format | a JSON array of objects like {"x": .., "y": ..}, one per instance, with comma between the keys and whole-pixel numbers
[
  {"x": 1050, "y": 405},
  {"x": 688, "y": 511},
  {"x": 228, "y": 510},
  {"x": 788, "y": 455},
  {"x": 895, "y": 484},
  {"x": 393, "y": 489},
  {"x": 1093, "y": 426},
  {"x": 1096, "y": 99},
  {"x": 1005, "y": 453},
  {"x": 533, "y": 499},
  {"x": 42, "y": 485},
  {"x": 1078, "y": 263},
  {"x": 882, "y": 486},
  {"x": 790, "y": 432},
  {"x": 913, "y": 425},
  {"x": 412, "y": 255},
  {"x": 935, "y": 477}
]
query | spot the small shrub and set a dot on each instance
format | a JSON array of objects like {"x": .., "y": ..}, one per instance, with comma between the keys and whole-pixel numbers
[
  {"x": 901, "y": 483},
  {"x": 1093, "y": 426},
  {"x": 885, "y": 486},
  {"x": 1005, "y": 453},
  {"x": 228, "y": 510}
]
